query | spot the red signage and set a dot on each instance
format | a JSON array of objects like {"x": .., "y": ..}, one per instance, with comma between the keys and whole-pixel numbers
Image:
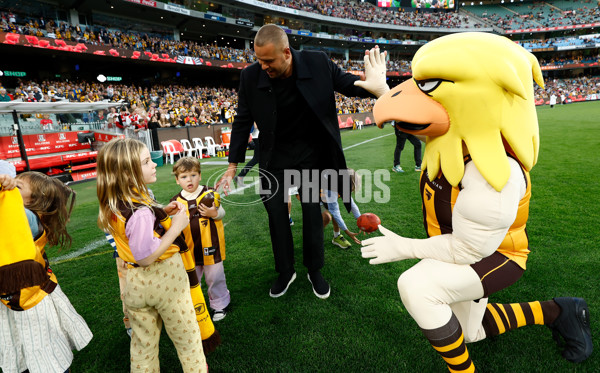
[
  {"x": 569, "y": 66},
  {"x": 143, "y": 2},
  {"x": 84, "y": 175},
  {"x": 41, "y": 143},
  {"x": 100, "y": 50},
  {"x": 106, "y": 136},
  {"x": 355, "y": 120}
]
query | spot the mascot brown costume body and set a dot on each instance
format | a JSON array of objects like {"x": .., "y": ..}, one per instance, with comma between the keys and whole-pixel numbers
[{"x": 472, "y": 97}]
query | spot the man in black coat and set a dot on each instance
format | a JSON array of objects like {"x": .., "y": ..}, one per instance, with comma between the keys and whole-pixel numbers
[{"x": 290, "y": 96}]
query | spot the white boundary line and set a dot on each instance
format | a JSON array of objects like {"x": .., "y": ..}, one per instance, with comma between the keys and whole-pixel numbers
[
  {"x": 366, "y": 141},
  {"x": 246, "y": 186},
  {"x": 86, "y": 249}
]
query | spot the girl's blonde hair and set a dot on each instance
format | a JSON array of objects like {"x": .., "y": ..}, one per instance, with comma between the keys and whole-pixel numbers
[
  {"x": 119, "y": 180},
  {"x": 53, "y": 202}
]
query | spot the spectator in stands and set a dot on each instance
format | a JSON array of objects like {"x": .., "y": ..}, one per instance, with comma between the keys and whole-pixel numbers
[
  {"x": 46, "y": 123},
  {"x": 19, "y": 94},
  {"x": 163, "y": 121},
  {"x": 59, "y": 95},
  {"x": 4, "y": 96},
  {"x": 37, "y": 93},
  {"x": 31, "y": 97}
]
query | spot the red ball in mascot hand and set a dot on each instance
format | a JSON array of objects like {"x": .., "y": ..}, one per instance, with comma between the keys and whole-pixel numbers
[{"x": 368, "y": 222}]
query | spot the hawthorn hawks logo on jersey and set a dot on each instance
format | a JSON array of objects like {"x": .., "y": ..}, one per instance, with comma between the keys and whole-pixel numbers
[{"x": 200, "y": 308}]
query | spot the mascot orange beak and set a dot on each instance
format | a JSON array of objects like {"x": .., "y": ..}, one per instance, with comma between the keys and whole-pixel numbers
[{"x": 412, "y": 111}]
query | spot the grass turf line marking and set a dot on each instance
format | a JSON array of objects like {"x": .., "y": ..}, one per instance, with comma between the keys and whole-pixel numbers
[
  {"x": 81, "y": 257},
  {"x": 77, "y": 255},
  {"x": 366, "y": 141},
  {"x": 86, "y": 249}
]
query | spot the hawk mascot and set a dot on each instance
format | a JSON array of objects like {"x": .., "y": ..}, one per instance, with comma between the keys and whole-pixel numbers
[{"x": 471, "y": 97}]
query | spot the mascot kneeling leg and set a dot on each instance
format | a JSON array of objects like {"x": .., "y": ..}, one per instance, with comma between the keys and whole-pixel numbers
[{"x": 472, "y": 99}]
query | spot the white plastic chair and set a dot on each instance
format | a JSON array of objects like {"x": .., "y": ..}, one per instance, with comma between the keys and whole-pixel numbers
[
  {"x": 187, "y": 147},
  {"x": 198, "y": 146},
  {"x": 169, "y": 151},
  {"x": 211, "y": 146}
]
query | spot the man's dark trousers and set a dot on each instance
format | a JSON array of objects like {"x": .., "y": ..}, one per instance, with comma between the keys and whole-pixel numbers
[{"x": 275, "y": 196}]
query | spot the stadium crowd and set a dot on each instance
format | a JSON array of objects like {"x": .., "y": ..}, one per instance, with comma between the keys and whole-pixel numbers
[
  {"x": 573, "y": 89},
  {"x": 168, "y": 105},
  {"x": 575, "y": 58},
  {"x": 522, "y": 16},
  {"x": 97, "y": 35},
  {"x": 164, "y": 44},
  {"x": 542, "y": 14},
  {"x": 367, "y": 12},
  {"x": 178, "y": 105}
]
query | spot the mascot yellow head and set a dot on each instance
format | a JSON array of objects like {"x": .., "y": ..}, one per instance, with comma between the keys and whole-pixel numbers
[{"x": 471, "y": 93}]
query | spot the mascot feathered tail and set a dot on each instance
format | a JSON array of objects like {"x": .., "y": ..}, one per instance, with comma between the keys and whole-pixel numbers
[{"x": 472, "y": 99}]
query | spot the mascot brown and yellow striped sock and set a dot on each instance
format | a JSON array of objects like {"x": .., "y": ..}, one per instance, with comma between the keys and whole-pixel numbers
[
  {"x": 499, "y": 318},
  {"x": 449, "y": 342}
]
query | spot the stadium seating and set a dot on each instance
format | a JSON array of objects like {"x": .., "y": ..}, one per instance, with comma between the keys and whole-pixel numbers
[
  {"x": 199, "y": 146},
  {"x": 171, "y": 151},
  {"x": 211, "y": 146},
  {"x": 188, "y": 149}
]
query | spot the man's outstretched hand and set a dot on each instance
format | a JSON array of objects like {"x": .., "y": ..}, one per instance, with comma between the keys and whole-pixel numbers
[{"x": 374, "y": 78}]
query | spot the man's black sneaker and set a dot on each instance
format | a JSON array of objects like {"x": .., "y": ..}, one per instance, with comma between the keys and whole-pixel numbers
[
  {"x": 319, "y": 285},
  {"x": 573, "y": 325},
  {"x": 282, "y": 283}
]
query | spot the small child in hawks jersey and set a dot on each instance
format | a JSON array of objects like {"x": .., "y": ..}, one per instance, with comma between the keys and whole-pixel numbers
[
  {"x": 149, "y": 241},
  {"x": 205, "y": 234},
  {"x": 39, "y": 327}
]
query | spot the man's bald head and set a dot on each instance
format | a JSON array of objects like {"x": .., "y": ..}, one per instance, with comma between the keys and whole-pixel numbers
[
  {"x": 271, "y": 34},
  {"x": 272, "y": 51}
]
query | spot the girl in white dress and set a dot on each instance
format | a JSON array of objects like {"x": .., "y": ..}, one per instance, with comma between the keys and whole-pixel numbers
[{"x": 39, "y": 327}]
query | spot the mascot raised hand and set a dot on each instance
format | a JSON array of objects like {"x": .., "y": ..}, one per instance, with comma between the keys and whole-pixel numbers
[{"x": 472, "y": 98}]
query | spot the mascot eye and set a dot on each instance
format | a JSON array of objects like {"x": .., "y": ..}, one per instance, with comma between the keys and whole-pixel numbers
[{"x": 427, "y": 86}]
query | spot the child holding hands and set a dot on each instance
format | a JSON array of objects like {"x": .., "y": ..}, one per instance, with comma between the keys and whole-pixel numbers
[
  {"x": 204, "y": 236},
  {"x": 157, "y": 287}
]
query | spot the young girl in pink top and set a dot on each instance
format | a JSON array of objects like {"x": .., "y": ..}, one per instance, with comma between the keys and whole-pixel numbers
[{"x": 157, "y": 287}]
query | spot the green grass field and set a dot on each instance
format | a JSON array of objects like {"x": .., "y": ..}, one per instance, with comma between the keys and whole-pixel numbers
[{"x": 363, "y": 326}]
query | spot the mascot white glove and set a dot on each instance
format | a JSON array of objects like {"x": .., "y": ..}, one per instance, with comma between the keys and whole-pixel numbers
[
  {"x": 392, "y": 247},
  {"x": 374, "y": 73},
  {"x": 385, "y": 249}
]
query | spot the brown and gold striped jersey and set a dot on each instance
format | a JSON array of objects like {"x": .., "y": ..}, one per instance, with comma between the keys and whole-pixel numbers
[
  {"x": 204, "y": 236},
  {"x": 438, "y": 199},
  {"x": 161, "y": 225},
  {"x": 29, "y": 297}
]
